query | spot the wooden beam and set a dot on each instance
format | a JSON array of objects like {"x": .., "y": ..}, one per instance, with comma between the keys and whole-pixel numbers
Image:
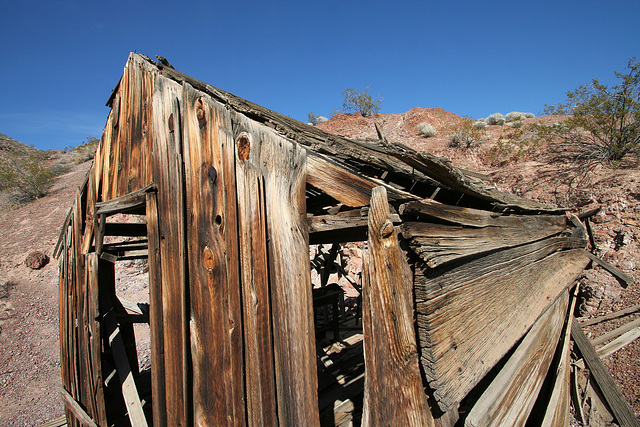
[
  {"x": 616, "y": 314},
  {"x": 615, "y": 345},
  {"x": 624, "y": 279},
  {"x": 394, "y": 393},
  {"x": 614, "y": 398},
  {"x": 158, "y": 402},
  {"x": 616, "y": 332},
  {"x": 129, "y": 389},
  {"x": 134, "y": 201},
  {"x": 76, "y": 409},
  {"x": 168, "y": 174}
]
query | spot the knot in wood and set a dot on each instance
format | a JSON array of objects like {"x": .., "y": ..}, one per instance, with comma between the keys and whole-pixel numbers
[
  {"x": 213, "y": 174},
  {"x": 208, "y": 258},
  {"x": 244, "y": 147},
  {"x": 387, "y": 229},
  {"x": 200, "y": 114}
]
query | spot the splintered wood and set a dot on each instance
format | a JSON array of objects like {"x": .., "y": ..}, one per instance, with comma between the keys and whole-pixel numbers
[{"x": 393, "y": 386}]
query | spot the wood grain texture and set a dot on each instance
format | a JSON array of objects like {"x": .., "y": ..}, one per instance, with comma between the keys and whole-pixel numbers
[
  {"x": 347, "y": 186},
  {"x": 509, "y": 398},
  {"x": 283, "y": 166},
  {"x": 394, "y": 393},
  {"x": 156, "y": 322},
  {"x": 259, "y": 366},
  {"x": 437, "y": 244},
  {"x": 212, "y": 245},
  {"x": 466, "y": 315},
  {"x": 168, "y": 175}
]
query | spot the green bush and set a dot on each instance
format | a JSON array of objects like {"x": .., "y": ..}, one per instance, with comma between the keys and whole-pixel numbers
[
  {"x": 30, "y": 176},
  {"x": 604, "y": 122},
  {"x": 360, "y": 101},
  {"x": 426, "y": 130},
  {"x": 496, "y": 119},
  {"x": 467, "y": 134}
]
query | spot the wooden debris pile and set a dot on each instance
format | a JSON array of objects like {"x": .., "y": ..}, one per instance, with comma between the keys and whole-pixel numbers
[{"x": 467, "y": 296}]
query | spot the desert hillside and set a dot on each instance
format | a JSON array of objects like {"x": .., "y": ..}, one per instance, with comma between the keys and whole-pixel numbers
[{"x": 29, "y": 344}]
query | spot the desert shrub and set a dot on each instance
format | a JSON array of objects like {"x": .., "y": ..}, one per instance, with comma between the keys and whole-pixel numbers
[
  {"x": 85, "y": 151},
  {"x": 28, "y": 177},
  {"x": 480, "y": 124},
  {"x": 360, "y": 101},
  {"x": 496, "y": 119},
  {"x": 604, "y": 122},
  {"x": 426, "y": 130},
  {"x": 466, "y": 134},
  {"x": 515, "y": 123},
  {"x": 314, "y": 120},
  {"x": 516, "y": 115}
]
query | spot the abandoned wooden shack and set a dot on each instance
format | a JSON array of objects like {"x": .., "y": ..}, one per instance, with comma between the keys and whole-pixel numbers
[{"x": 467, "y": 294}]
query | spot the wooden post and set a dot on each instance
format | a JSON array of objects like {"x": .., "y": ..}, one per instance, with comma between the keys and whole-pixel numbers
[
  {"x": 394, "y": 393},
  {"x": 169, "y": 178},
  {"x": 254, "y": 267},
  {"x": 155, "y": 314},
  {"x": 212, "y": 246}
]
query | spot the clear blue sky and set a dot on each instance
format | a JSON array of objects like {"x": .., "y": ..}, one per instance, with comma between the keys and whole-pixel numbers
[{"x": 61, "y": 59}]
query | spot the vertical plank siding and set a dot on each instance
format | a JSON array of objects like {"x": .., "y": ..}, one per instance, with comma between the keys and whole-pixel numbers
[
  {"x": 394, "y": 393},
  {"x": 168, "y": 176},
  {"x": 212, "y": 244}
]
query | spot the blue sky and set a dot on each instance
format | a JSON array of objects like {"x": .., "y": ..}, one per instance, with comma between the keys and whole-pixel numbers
[{"x": 61, "y": 59}]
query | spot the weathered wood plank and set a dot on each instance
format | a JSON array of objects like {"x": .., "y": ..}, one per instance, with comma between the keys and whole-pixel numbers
[
  {"x": 431, "y": 210},
  {"x": 615, "y": 345},
  {"x": 348, "y": 226},
  {"x": 557, "y": 411},
  {"x": 394, "y": 393},
  {"x": 437, "y": 244},
  {"x": 348, "y": 187},
  {"x": 212, "y": 239},
  {"x": 169, "y": 176},
  {"x": 614, "y": 399},
  {"x": 76, "y": 409},
  {"x": 624, "y": 279},
  {"x": 614, "y": 315},
  {"x": 511, "y": 395},
  {"x": 156, "y": 326},
  {"x": 616, "y": 332},
  {"x": 95, "y": 378},
  {"x": 130, "y": 202},
  {"x": 284, "y": 167},
  {"x": 469, "y": 317},
  {"x": 252, "y": 231}
]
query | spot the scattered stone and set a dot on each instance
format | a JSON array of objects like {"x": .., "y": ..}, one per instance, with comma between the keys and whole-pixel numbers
[{"x": 36, "y": 260}]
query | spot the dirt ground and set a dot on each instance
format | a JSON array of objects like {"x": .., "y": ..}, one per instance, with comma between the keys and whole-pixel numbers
[
  {"x": 29, "y": 344},
  {"x": 29, "y": 333}
]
